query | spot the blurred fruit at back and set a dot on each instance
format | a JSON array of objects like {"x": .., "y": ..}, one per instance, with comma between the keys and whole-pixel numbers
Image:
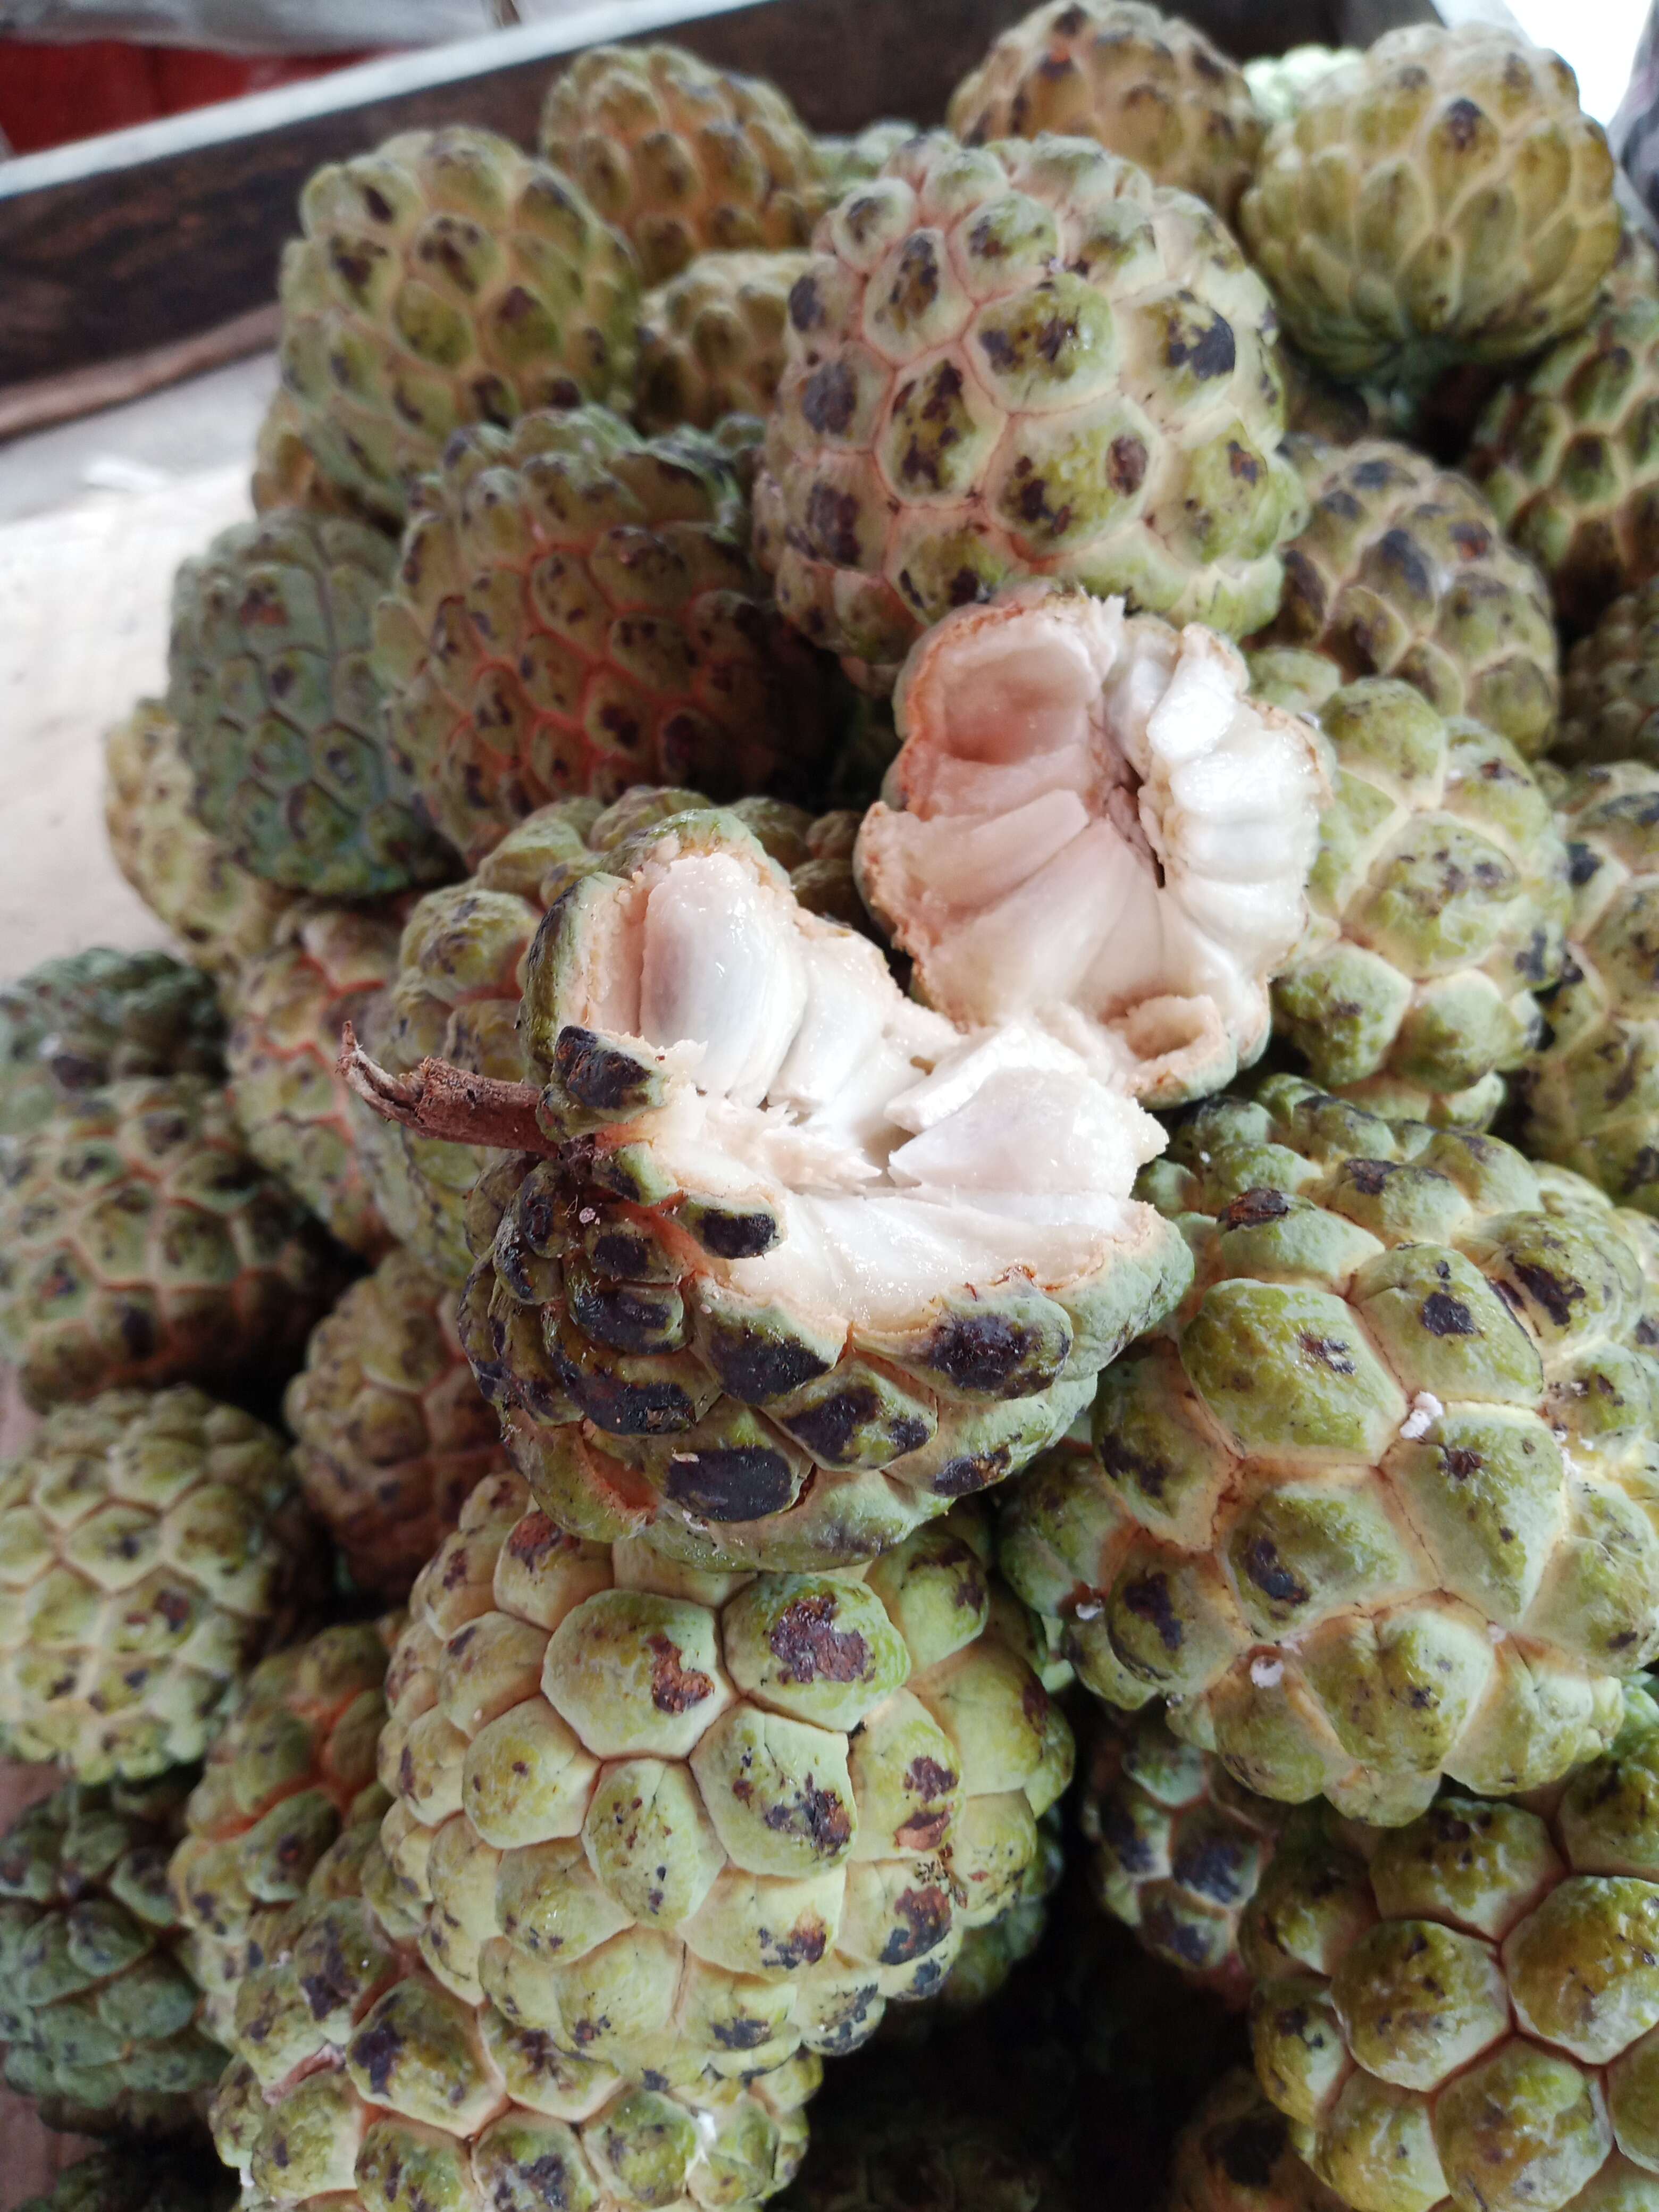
[
  {"x": 711, "y": 339},
  {"x": 392, "y": 1433},
  {"x": 75, "y": 1024},
  {"x": 1610, "y": 694},
  {"x": 152, "y": 1545},
  {"x": 149, "y": 2178}
]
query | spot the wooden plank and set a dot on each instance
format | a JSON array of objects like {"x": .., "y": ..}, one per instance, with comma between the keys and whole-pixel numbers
[{"x": 141, "y": 239}]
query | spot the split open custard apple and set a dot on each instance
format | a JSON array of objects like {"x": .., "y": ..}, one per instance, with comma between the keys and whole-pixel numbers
[
  {"x": 461, "y": 972},
  {"x": 445, "y": 278},
  {"x": 672, "y": 1821},
  {"x": 1376, "y": 1506},
  {"x": 1092, "y": 831},
  {"x": 1460, "y": 2012},
  {"x": 574, "y": 610},
  {"x": 221, "y": 912},
  {"x": 1143, "y": 84},
  {"x": 682, "y": 157},
  {"x": 1237, "y": 2153},
  {"x": 359, "y": 2082},
  {"x": 73, "y": 1024},
  {"x": 1403, "y": 570},
  {"x": 392, "y": 1434},
  {"x": 140, "y": 1242},
  {"x": 280, "y": 715},
  {"x": 324, "y": 963},
  {"x": 1440, "y": 903},
  {"x": 1179, "y": 1849},
  {"x": 293, "y": 1770},
  {"x": 784, "y": 1263},
  {"x": 1588, "y": 1093},
  {"x": 1440, "y": 199},
  {"x": 151, "y": 1546},
  {"x": 712, "y": 339},
  {"x": 1021, "y": 360},
  {"x": 102, "y": 2017}
]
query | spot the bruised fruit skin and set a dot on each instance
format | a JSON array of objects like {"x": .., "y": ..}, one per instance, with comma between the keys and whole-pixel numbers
[
  {"x": 103, "y": 2022},
  {"x": 675, "y": 1821},
  {"x": 1403, "y": 570},
  {"x": 1143, "y": 84},
  {"x": 1237, "y": 2153},
  {"x": 1372, "y": 1509},
  {"x": 391, "y": 1433},
  {"x": 279, "y": 712},
  {"x": 574, "y": 612},
  {"x": 222, "y": 913},
  {"x": 1440, "y": 198},
  {"x": 461, "y": 973},
  {"x": 293, "y": 1770},
  {"x": 1091, "y": 827},
  {"x": 150, "y": 1548},
  {"x": 798, "y": 1263},
  {"x": 1588, "y": 1094},
  {"x": 1460, "y": 2012},
  {"x": 140, "y": 1242},
  {"x": 358, "y": 2081},
  {"x": 1018, "y": 361},
  {"x": 1440, "y": 898},
  {"x": 712, "y": 339},
  {"x": 291, "y": 1004},
  {"x": 445, "y": 278},
  {"x": 1179, "y": 1847},
  {"x": 73, "y": 1024},
  {"x": 681, "y": 158}
]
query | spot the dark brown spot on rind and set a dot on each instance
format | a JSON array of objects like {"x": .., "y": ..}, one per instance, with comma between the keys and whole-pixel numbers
[{"x": 675, "y": 1688}]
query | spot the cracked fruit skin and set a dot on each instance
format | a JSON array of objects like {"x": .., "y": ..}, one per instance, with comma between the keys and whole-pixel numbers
[
  {"x": 1566, "y": 453},
  {"x": 1178, "y": 1847},
  {"x": 711, "y": 339},
  {"x": 785, "y": 1338},
  {"x": 221, "y": 912},
  {"x": 151, "y": 1546},
  {"x": 140, "y": 1242},
  {"x": 681, "y": 158},
  {"x": 674, "y": 1821},
  {"x": 1439, "y": 199},
  {"x": 445, "y": 278},
  {"x": 291, "y": 1004},
  {"x": 391, "y": 1433},
  {"x": 358, "y": 2082},
  {"x": 1022, "y": 360},
  {"x": 1460, "y": 2012},
  {"x": 292, "y": 1770},
  {"x": 1588, "y": 1093},
  {"x": 1238, "y": 2153},
  {"x": 461, "y": 971},
  {"x": 1373, "y": 1509},
  {"x": 1439, "y": 899},
  {"x": 75, "y": 1024},
  {"x": 1403, "y": 570},
  {"x": 574, "y": 612},
  {"x": 280, "y": 715},
  {"x": 102, "y": 2017},
  {"x": 1144, "y": 85}
]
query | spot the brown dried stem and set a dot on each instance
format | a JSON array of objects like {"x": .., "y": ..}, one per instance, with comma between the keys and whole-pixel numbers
[{"x": 438, "y": 1099}]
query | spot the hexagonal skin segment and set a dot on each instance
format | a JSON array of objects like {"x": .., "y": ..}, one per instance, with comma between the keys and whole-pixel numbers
[{"x": 634, "y": 1673}]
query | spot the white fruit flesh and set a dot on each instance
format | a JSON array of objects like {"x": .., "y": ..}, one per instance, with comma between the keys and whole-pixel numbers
[
  {"x": 1095, "y": 830},
  {"x": 903, "y": 1158}
]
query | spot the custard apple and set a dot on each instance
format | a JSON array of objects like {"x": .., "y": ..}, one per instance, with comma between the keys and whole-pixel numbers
[
  {"x": 711, "y": 339},
  {"x": 73, "y": 1024},
  {"x": 1376, "y": 1506},
  {"x": 1610, "y": 692},
  {"x": 1237, "y": 2153},
  {"x": 445, "y": 278},
  {"x": 1022, "y": 360},
  {"x": 162, "y": 2176},
  {"x": 1140, "y": 83},
  {"x": 1442, "y": 199}
]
